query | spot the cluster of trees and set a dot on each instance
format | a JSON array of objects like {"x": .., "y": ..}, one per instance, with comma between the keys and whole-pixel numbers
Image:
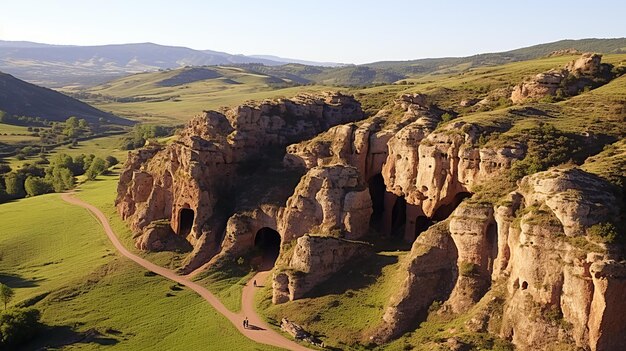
[
  {"x": 142, "y": 132},
  {"x": 22, "y": 120},
  {"x": 71, "y": 129},
  {"x": 57, "y": 176},
  {"x": 16, "y": 325}
]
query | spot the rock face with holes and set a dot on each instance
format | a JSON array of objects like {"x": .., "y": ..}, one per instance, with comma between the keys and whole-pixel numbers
[
  {"x": 551, "y": 287},
  {"x": 532, "y": 258},
  {"x": 332, "y": 200},
  {"x": 196, "y": 171},
  {"x": 433, "y": 171},
  {"x": 314, "y": 259},
  {"x": 569, "y": 80}
]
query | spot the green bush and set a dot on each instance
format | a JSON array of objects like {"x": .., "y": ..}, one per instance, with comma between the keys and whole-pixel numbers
[
  {"x": 603, "y": 232},
  {"x": 468, "y": 269},
  {"x": 18, "y": 326}
]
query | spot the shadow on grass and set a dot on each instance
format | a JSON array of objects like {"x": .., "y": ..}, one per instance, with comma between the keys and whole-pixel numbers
[
  {"x": 53, "y": 337},
  {"x": 17, "y": 281},
  {"x": 361, "y": 276}
]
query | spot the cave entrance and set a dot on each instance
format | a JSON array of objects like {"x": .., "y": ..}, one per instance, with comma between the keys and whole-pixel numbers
[
  {"x": 377, "y": 194},
  {"x": 422, "y": 223},
  {"x": 185, "y": 221},
  {"x": 398, "y": 217},
  {"x": 444, "y": 211},
  {"x": 267, "y": 241}
]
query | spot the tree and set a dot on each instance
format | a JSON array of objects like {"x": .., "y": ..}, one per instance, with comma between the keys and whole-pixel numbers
[
  {"x": 82, "y": 124},
  {"x": 6, "y": 294},
  {"x": 14, "y": 185},
  {"x": 97, "y": 167},
  {"x": 111, "y": 161},
  {"x": 18, "y": 326},
  {"x": 36, "y": 186},
  {"x": 61, "y": 178}
]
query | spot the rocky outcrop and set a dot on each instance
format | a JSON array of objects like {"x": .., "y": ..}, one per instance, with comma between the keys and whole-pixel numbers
[
  {"x": 551, "y": 289},
  {"x": 434, "y": 171},
  {"x": 555, "y": 278},
  {"x": 332, "y": 200},
  {"x": 472, "y": 228},
  {"x": 184, "y": 181},
  {"x": 568, "y": 80},
  {"x": 430, "y": 271},
  {"x": 158, "y": 236},
  {"x": 314, "y": 259}
]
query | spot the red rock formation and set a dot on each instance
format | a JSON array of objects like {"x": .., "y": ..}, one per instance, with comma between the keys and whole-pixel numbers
[
  {"x": 183, "y": 181},
  {"x": 547, "y": 83},
  {"x": 314, "y": 259}
]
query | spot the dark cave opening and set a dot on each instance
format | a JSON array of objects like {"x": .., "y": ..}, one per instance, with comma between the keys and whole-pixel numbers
[
  {"x": 492, "y": 243},
  {"x": 398, "y": 217},
  {"x": 185, "y": 221},
  {"x": 377, "y": 194},
  {"x": 267, "y": 240},
  {"x": 444, "y": 211}
]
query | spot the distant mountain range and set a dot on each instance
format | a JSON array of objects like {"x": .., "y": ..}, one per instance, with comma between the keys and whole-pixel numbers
[
  {"x": 20, "y": 98},
  {"x": 62, "y": 65}
]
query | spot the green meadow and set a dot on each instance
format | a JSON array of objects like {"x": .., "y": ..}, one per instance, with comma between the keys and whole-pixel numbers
[{"x": 58, "y": 260}]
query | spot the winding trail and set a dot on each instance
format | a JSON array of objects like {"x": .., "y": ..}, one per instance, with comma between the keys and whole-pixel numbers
[{"x": 258, "y": 331}]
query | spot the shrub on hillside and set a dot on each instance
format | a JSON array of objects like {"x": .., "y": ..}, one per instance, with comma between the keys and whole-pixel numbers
[
  {"x": 546, "y": 147},
  {"x": 18, "y": 326}
]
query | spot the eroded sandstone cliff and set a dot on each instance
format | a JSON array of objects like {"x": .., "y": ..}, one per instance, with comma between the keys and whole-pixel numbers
[{"x": 528, "y": 267}]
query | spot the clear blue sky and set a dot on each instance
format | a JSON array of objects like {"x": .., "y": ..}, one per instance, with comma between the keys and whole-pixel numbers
[{"x": 339, "y": 31}]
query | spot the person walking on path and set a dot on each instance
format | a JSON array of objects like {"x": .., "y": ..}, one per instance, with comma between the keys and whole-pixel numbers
[
  {"x": 245, "y": 323},
  {"x": 254, "y": 283}
]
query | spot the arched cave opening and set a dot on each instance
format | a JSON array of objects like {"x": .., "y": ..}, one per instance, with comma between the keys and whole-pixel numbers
[
  {"x": 267, "y": 241},
  {"x": 444, "y": 211},
  {"x": 398, "y": 217},
  {"x": 377, "y": 194},
  {"x": 185, "y": 221}
]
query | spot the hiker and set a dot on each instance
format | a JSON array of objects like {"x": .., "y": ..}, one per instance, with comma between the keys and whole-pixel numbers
[
  {"x": 254, "y": 283},
  {"x": 245, "y": 323}
]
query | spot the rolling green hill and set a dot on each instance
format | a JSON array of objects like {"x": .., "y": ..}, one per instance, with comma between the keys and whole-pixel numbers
[
  {"x": 20, "y": 98},
  {"x": 386, "y": 72},
  {"x": 171, "y": 96}
]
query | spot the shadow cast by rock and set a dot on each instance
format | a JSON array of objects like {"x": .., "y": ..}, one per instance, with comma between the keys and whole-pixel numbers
[{"x": 361, "y": 276}]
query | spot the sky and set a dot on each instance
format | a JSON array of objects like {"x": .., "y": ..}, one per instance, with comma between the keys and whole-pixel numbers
[{"x": 332, "y": 31}]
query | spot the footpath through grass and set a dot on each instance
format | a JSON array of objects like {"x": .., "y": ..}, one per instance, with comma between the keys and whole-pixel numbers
[{"x": 58, "y": 260}]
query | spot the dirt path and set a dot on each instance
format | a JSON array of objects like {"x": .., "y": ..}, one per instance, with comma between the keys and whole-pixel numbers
[{"x": 259, "y": 331}]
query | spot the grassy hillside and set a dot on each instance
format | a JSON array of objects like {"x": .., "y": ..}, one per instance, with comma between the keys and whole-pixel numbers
[
  {"x": 392, "y": 71},
  {"x": 20, "y": 98},
  {"x": 91, "y": 298},
  {"x": 169, "y": 97}
]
